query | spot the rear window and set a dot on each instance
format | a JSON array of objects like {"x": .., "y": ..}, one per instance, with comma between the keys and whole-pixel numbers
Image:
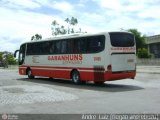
[{"x": 122, "y": 39}]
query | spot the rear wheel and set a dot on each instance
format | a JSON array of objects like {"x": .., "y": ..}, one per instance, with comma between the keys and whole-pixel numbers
[
  {"x": 30, "y": 75},
  {"x": 76, "y": 77}
]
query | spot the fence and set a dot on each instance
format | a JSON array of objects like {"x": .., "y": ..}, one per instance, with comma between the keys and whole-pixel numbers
[{"x": 152, "y": 61}]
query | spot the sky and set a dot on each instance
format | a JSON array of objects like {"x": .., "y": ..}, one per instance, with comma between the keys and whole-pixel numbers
[{"x": 21, "y": 19}]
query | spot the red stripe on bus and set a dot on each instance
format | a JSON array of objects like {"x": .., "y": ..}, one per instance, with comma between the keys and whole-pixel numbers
[
  {"x": 70, "y": 68},
  {"x": 84, "y": 75}
]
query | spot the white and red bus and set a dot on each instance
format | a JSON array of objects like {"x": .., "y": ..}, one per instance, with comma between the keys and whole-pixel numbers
[{"x": 81, "y": 57}]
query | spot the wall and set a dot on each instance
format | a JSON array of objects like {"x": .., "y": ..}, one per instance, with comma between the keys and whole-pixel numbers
[{"x": 153, "y": 61}]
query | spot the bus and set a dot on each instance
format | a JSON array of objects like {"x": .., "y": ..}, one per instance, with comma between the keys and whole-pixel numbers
[{"x": 99, "y": 57}]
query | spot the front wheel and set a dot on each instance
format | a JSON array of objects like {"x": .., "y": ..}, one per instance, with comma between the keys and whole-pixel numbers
[
  {"x": 30, "y": 75},
  {"x": 76, "y": 77}
]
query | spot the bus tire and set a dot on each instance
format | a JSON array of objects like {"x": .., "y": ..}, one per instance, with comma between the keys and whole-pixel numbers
[
  {"x": 76, "y": 77},
  {"x": 30, "y": 75}
]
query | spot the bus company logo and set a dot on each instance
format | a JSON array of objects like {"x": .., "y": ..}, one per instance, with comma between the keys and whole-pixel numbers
[
  {"x": 73, "y": 58},
  {"x": 4, "y": 116}
]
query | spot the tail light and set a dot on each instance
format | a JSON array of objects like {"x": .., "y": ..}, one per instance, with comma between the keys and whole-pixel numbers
[{"x": 109, "y": 68}]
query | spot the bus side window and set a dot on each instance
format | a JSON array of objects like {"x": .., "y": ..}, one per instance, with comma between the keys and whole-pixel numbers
[
  {"x": 40, "y": 48},
  {"x": 64, "y": 47},
  {"x": 75, "y": 46},
  {"x": 28, "y": 49},
  {"x": 43, "y": 48},
  {"x": 52, "y": 48},
  {"x": 81, "y": 45},
  {"x": 47, "y": 48},
  {"x": 37, "y": 48},
  {"x": 58, "y": 47},
  {"x": 70, "y": 46},
  {"x": 95, "y": 44}
]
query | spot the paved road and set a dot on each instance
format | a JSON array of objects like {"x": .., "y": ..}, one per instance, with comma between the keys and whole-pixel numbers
[{"x": 41, "y": 95}]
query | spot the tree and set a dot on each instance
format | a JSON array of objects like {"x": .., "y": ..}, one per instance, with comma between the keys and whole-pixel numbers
[
  {"x": 67, "y": 20},
  {"x": 1, "y": 63},
  {"x": 7, "y": 58},
  {"x": 71, "y": 22},
  {"x": 11, "y": 59},
  {"x": 36, "y": 37},
  {"x": 141, "y": 48},
  {"x": 143, "y": 53},
  {"x": 58, "y": 29},
  {"x": 55, "y": 27},
  {"x": 63, "y": 30},
  {"x": 140, "y": 39}
]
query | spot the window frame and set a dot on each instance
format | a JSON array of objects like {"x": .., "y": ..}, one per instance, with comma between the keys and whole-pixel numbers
[
  {"x": 71, "y": 44},
  {"x": 114, "y": 41}
]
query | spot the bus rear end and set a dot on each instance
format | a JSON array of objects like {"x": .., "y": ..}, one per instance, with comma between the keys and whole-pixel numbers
[{"x": 122, "y": 56}]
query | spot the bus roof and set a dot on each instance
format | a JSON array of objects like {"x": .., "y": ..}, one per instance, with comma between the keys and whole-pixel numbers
[{"x": 75, "y": 35}]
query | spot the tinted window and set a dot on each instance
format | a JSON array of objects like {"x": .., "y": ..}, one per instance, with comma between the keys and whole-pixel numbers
[
  {"x": 29, "y": 49},
  {"x": 57, "y": 47},
  {"x": 95, "y": 44},
  {"x": 64, "y": 47},
  {"x": 122, "y": 39},
  {"x": 38, "y": 48},
  {"x": 45, "y": 46},
  {"x": 70, "y": 46},
  {"x": 35, "y": 49},
  {"x": 52, "y": 47},
  {"x": 81, "y": 45}
]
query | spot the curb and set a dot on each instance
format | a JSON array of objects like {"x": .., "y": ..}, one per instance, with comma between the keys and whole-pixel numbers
[{"x": 148, "y": 72}]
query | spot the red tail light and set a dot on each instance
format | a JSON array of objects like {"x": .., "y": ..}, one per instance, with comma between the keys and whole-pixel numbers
[{"x": 109, "y": 68}]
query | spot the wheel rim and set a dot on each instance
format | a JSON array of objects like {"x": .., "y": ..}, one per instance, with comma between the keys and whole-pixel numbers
[
  {"x": 29, "y": 73},
  {"x": 75, "y": 77}
]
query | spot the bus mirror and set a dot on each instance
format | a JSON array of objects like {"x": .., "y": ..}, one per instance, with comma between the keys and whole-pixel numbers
[{"x": 15, "y": 53}]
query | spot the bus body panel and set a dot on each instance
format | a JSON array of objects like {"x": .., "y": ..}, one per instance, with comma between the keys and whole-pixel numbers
[
  {"x": 43, "y": 66},
  {"x": 123, "y": 62}
]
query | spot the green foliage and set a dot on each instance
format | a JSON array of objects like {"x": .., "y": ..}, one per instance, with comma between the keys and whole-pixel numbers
[
  {"x": 143, "y": 53},
  {"x": 7, "y": 58},
  {"x": 58, "y": 29},
  {"x": 36, "y": 37},
  {"x": 11, "y": 59},
  {"x": 140, "y": 39},
  {"x": 1, "y": 56}
]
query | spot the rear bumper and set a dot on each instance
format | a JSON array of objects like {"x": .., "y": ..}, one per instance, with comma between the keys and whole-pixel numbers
[
  {"x": 107, "y": 76},
  {"x": 117, "y": 76}
]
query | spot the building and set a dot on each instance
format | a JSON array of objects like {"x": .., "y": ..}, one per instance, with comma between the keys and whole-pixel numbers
[{"x": 153, "y": 43}]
